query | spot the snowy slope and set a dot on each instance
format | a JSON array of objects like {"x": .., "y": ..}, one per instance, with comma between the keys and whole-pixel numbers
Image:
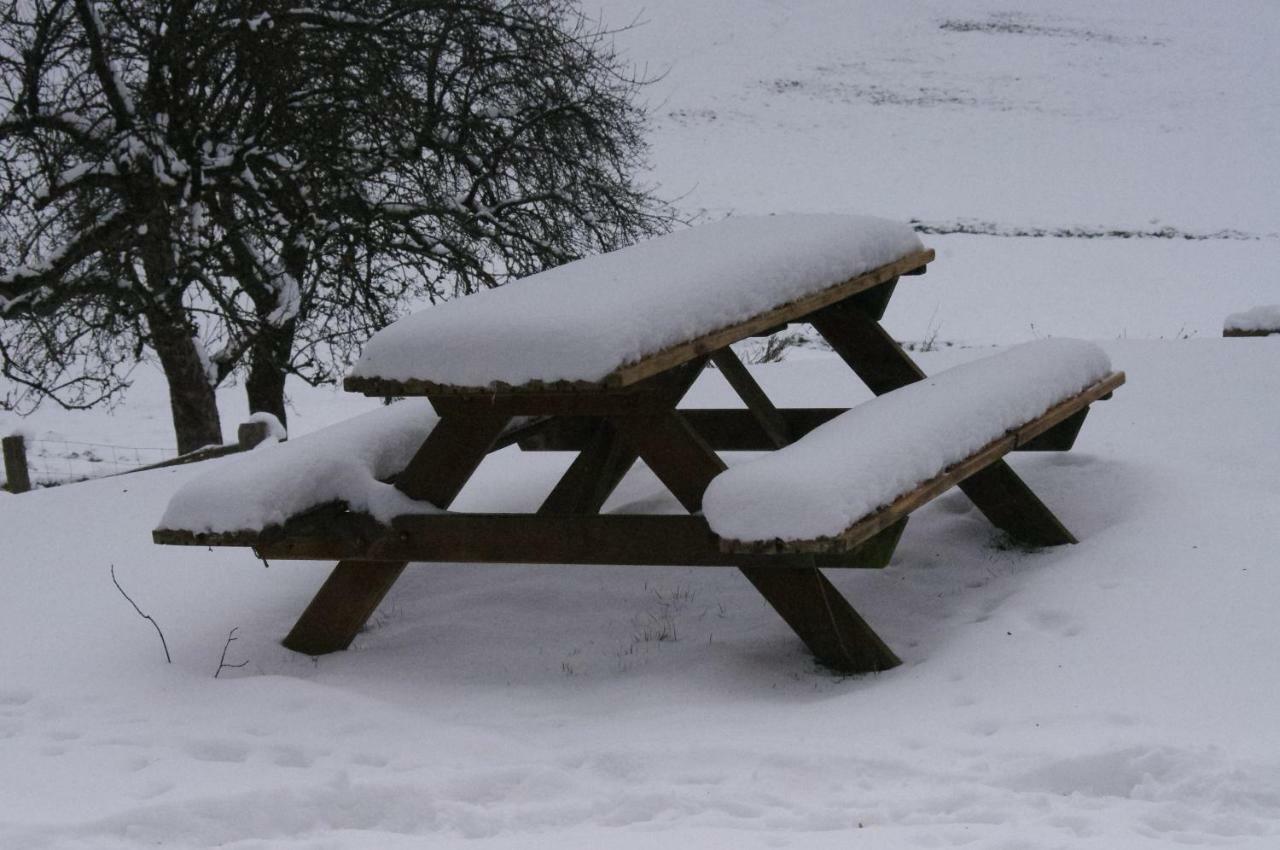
[
  {"x": 1114, "y": 694},
  {"x": 1089, "y": 117},
  {"x": 1117, "y": 693}
]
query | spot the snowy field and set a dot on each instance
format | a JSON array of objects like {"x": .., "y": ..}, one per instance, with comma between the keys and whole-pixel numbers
[{"x": 1120, "y": 693}]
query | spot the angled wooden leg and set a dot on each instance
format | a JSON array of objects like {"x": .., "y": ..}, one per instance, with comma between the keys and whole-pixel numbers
[
  {"x": 768, "y": 417},
  {"x": 675, "y": 453},
  {"x": 1010, "y": 505},
  {"x": 1060, "y": 437},
  {"x": 342, "y": 606},
  {"x": 866, "y": 347},
  {"x": 834, "y": 632},
  {"x": 436, "y": 474},
  {"x": 593, "y": 475},
  {"x": 875, "y": 301},
  {"x": 997, "y": 491}
]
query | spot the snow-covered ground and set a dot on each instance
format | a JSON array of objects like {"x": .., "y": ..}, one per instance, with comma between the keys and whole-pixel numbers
[{"x": 1115, "y": 694}]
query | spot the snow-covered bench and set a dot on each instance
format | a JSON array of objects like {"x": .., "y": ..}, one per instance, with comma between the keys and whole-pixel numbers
[
  {"x": 865, "y": 470},
  {"x": 594, "y": 357},
  {"x": 1259, "y": 321}
]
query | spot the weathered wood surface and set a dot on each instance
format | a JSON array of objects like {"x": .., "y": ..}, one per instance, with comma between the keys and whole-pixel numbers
[
  {"x": 864, "y": 528},
  {"x": 661, "y": 361}
]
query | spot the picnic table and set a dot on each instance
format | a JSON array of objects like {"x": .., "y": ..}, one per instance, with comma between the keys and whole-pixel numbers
[
  {"x": 593, "y": 358},
  {"x": 1263, "y": 320}
]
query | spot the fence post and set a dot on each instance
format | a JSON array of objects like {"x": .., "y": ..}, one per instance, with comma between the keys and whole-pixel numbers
[
  {"x": 249, "y": 434},
  {"x": 15, "y": 464}
]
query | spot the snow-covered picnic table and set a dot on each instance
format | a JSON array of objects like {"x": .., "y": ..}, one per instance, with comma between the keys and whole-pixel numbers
[{"x": 593, "y": 357}]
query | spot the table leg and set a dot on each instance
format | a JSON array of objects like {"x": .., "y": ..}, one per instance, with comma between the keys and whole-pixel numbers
[
  {"x": 822, "y": 618},
  {"x": 997, "y": 491},
  {"x": 834, "y": 632},
  {"x": 593, "y": 475},
  {"x": 436, "y": 474}
]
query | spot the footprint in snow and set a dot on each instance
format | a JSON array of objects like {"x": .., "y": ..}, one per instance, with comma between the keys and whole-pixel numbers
[
  {"x": 15, "y": 696},
  {"x": 286, "y": 756},
  {"x": 217, "y": 751}
]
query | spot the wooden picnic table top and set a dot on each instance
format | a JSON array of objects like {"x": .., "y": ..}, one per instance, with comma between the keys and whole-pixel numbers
[{"x": 613, "y": 320}]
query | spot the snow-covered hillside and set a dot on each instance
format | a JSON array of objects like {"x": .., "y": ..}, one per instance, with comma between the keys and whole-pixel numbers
[{"x": 1114, "y": 694}]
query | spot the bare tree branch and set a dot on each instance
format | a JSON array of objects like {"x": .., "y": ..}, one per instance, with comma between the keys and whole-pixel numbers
[{"x": 145, "y": 616}]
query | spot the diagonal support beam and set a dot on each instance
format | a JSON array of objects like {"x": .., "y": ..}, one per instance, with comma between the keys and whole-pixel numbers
[
  {"x": 593, "y": 475},
  {"x": 768, "y": 416}
]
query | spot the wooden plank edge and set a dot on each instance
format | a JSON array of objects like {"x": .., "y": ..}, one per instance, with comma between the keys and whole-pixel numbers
[
  {"x": 477, "y": 538},
  {"x": 872, "y": 524},
  {"x": 1235, "y": 332},
  {"x": 659, "y": 361}
]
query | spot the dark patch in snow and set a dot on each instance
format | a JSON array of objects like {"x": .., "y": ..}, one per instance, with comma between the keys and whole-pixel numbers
[
  {"x": 1013, "y": 24},
  {"x": 990, "y": 228},
  {"x": 878, "y": 95}
]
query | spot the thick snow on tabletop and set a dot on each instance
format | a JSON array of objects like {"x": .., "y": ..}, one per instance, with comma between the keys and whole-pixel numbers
[
  {"x": 583, "y": 320},
  {"x": 345, "y": 462},
  {"x": 879, "y": 450},
  {"x": 1264, "y": 318}
]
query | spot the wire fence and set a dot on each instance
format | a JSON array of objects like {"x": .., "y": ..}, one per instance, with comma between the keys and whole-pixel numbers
[{"x": 54, "y": 462}]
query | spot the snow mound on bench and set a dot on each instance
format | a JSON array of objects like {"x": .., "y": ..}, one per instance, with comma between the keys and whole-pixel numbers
[
  {"x": 341, "y": 463},
  {"x": 1264, "y": 318},
  {"x": 583, "y": 320},
  {"x": 876, "y": 452}
]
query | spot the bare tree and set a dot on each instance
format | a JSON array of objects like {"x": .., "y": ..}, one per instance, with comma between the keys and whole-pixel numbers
[{"x": 255, "y": 186}]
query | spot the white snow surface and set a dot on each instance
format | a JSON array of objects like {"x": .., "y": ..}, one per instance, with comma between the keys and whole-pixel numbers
[
  {"x": 1262, "y": 318},
  {"x": 1075, "y": 697},
  {"x": 342, "y": 463},
  {"x": 583, "y": 320},
  {"x": 881, "y": 449},
  {"x": 1113, "y": 695}
]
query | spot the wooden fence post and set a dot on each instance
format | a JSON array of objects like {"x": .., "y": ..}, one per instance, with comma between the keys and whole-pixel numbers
[
  {"x": 15, "y": 464},
  {"x": 250, "y": 434}
]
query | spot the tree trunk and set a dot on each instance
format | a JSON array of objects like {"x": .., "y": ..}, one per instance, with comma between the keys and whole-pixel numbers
[
  {"x": 268, "y": 356},
  {"x": 173, "y": 336},
  {"x": 191, "y": 397}
]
